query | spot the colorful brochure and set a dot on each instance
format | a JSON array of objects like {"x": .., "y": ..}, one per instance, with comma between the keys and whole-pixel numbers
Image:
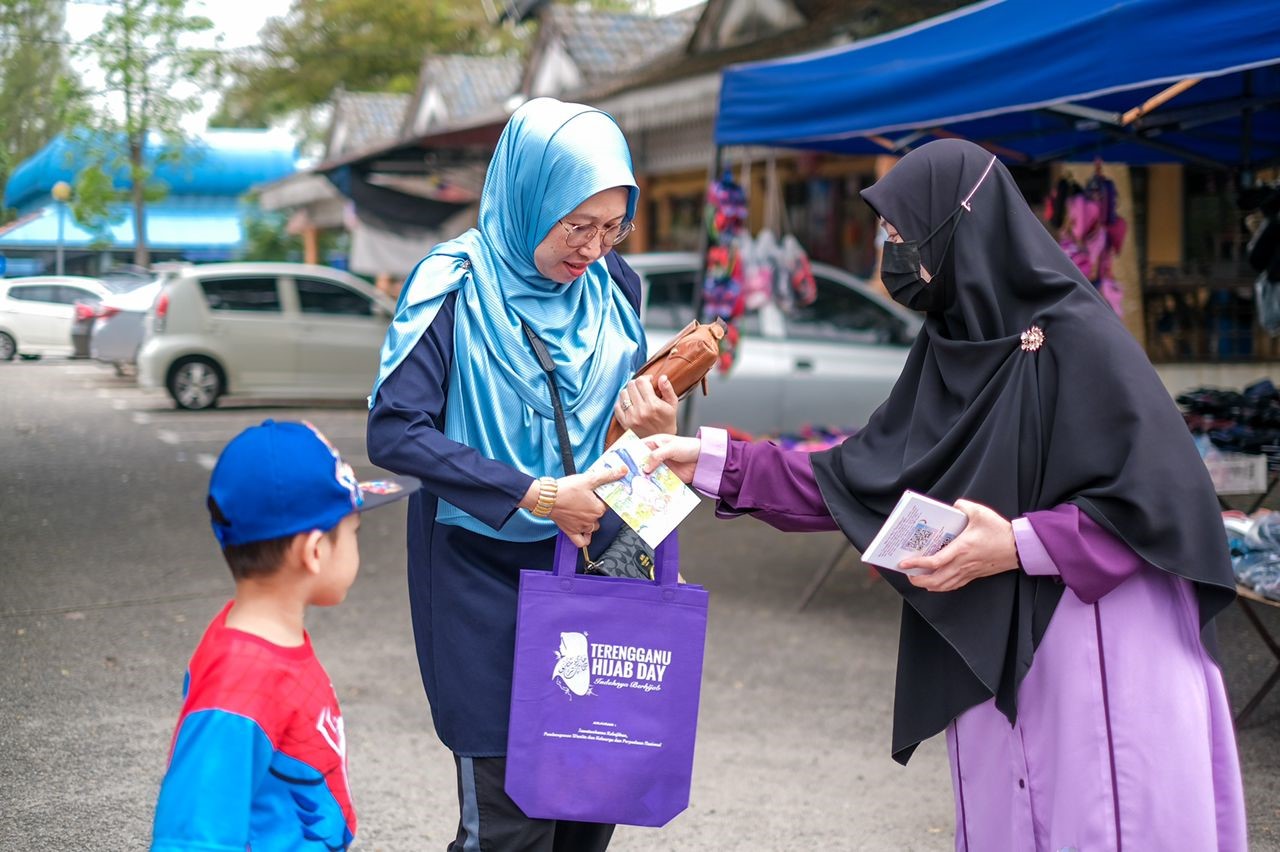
[
  {"x": 652, "y": 504},
  {"x": 917, "y": 526}
]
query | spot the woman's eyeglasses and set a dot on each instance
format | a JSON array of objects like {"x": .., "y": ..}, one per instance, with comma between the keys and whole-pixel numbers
[{"x": 577, "y": 236}]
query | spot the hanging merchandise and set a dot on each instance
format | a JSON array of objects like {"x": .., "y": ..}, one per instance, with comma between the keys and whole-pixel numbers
[
  {"x": 757, "y": 267},
  {"x": 799, "y": 286},
  {"x": 722, "y": 289},
  {"x": 1090, "y": 230}
]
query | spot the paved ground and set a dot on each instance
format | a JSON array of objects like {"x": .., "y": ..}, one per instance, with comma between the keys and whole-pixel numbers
[{"x": 109, "y": 575}]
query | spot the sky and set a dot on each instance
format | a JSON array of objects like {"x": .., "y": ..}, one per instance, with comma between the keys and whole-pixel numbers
[{"x": 238, "y": 22}]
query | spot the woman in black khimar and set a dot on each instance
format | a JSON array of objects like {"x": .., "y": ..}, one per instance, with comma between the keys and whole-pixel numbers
[{"x": 1063, "y": 641}]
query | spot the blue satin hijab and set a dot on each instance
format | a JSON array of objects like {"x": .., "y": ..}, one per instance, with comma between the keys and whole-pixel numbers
[{"x": 551, "y": 157}]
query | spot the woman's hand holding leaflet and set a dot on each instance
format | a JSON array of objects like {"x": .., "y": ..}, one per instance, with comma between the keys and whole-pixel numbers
[
  {"x": 578, "y": 509},
  {"x": 678, "y": 453},
  {"x": 985, "y": 547}
]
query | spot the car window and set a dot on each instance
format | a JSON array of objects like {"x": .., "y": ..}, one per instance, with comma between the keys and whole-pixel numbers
[
  {"x": 324, "y": 297},
  {"x": 670, "y": 302},
  {"x": 69, "y": 295},
  {"x": 241, "y": 294},
  {"x": 842, "y": 314},
  {"x": 33, "y": 293}
]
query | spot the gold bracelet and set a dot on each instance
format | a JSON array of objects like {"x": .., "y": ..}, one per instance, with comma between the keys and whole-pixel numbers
[{"x": 548, "y": 487}]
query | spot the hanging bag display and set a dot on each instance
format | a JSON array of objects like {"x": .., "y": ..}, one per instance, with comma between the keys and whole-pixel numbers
[{"x": 604, "y": 696}]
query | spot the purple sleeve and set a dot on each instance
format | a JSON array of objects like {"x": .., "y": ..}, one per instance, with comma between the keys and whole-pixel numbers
[
  {"x": 1089, "y": 558},
  {"x": 776, "y": 486}
]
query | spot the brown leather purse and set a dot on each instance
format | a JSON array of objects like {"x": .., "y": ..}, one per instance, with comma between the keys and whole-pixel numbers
[{"x": 684, "y": 359}]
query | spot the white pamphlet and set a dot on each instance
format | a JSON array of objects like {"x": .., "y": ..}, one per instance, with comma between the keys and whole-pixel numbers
[
  {"x": 917, "y": 526},
  {"x": 653, "y": 504}
]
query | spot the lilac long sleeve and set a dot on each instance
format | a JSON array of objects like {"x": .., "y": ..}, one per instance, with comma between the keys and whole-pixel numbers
[
  {"x": 763, "y": 480},
  {"x": 1090, "y": 559},
  {"x": 778, "y": 487}
]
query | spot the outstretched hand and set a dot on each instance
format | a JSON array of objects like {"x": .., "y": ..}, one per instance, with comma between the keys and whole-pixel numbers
[
  {"x": 985, "y": 547},
  {"x": 578, "y": 509},
  {"x": 679, "y": 454}
]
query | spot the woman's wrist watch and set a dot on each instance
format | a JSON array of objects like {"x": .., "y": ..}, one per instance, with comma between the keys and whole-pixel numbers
[{"x": 548, "y": 487}]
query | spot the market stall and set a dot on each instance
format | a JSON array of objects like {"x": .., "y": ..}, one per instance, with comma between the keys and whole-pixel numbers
[{"x": 1144, "y": 81}]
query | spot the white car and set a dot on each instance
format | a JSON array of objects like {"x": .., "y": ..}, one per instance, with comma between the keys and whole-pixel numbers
[
  {"x": 277, "y": 330},
  {"x": 36, "y": 313},
  {"x": 829, "y": 364},
  {"x": 119, "y": 325}
]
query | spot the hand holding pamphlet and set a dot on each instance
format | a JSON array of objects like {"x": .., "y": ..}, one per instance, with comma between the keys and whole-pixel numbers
[
  {"x": 652, "y": 504},
  {"x": 917, "y": 526}
]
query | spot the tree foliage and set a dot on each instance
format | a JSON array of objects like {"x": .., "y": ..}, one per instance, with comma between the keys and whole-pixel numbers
[
  {"x": 151, "y": 73},
  {"x": 268, "y": 238},
  {"x": 38, "y": 90},
  {"x": 361, "y": 45}
]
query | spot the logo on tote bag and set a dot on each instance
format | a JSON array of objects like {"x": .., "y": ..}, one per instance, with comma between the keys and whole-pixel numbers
[
  {"x": 580, "y": 664},
  {"x": 573, "y": 664}
]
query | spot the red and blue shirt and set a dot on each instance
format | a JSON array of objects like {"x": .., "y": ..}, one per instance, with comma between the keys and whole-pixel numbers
[{"x": 259, "y": 756}]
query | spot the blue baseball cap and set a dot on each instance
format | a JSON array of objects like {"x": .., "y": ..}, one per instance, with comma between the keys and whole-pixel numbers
[{"x": 279, "y": 479}]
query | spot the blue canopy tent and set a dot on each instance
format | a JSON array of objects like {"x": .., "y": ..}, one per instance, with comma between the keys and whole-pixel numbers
[{"x": 1134, "y": 80}]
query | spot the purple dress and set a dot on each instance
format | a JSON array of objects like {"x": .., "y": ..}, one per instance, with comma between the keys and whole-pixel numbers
[{"x": 1124, "y": 737}]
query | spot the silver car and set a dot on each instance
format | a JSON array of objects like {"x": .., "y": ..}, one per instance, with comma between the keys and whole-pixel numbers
[
  {"x": 117, "y": 331},
  {"x": 829, "y": 364},
  {"x": 278, "y": 330}
]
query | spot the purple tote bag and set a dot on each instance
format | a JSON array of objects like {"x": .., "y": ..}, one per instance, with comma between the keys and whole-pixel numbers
[{"x": 604, "y": 699}]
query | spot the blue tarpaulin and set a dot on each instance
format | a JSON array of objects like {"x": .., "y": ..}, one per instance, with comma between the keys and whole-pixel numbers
[{"x": 1033, "y": 81}]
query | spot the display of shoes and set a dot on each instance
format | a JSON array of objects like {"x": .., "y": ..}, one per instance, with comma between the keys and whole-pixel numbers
[{"x": 1234, "y": 421}]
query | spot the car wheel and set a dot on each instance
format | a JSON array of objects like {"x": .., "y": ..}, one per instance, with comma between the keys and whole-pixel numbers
[
  {"x": 8, "y": 347},
  {"x": 195, "y": 383}
]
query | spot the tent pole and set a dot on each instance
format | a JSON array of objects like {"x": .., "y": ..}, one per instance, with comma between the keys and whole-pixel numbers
[
  {"x": 1156, "y": 100},
  {"x": 1246, "y": 135}
]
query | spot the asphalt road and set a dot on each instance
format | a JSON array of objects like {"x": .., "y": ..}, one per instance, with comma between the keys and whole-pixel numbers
[{"x": 109, "y": 574}]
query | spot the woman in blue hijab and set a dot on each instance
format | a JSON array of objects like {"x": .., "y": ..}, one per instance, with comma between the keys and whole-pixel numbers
[{"x": 462, "y": 403}]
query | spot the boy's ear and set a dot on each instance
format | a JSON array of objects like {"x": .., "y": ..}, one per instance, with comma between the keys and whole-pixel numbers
[{"x": 306, "y": 549}]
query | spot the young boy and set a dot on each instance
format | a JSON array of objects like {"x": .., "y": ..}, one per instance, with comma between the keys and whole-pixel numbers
[{"x": 258, "y": 760}]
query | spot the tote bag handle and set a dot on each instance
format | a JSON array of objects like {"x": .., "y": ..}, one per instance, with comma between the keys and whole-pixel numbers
[{"x": 666, "y": 558}]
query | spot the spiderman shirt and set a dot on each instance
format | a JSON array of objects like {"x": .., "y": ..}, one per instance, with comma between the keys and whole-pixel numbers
[{"x": 258, "y": 759}]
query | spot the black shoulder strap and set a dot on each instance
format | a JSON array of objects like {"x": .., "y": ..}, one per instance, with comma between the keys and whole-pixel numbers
[{"x": 549, "y": 367}]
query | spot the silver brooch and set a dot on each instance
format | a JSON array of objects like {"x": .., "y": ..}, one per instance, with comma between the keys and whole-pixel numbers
[{"x": 1032, "y": 339}]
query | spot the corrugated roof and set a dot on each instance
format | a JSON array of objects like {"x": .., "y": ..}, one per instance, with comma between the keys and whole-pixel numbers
[
  {"x": 827, "y": 22},
  {"x": 605, "y": 44},
  {"x": 365, "y": 119},
  {"x": 471, "y": 84}
]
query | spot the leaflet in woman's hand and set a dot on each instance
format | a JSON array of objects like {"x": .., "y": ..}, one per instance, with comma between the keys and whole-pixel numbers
[
  {"x": 917, "y": 526},
  {"x": 652, "y": 504}
]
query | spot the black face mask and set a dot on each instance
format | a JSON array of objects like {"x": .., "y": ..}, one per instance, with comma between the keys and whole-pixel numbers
[
  {"x": 900, "y": 271},
  {"x": 900, "y": 264}
]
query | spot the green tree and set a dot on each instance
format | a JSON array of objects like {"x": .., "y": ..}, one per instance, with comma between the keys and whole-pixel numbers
[
  {"x": 147, "y": 61},
  {"x": 361, "y": 45},
  {"x": 38, "y": 91},
  {"x": 267, "y": 237}
]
